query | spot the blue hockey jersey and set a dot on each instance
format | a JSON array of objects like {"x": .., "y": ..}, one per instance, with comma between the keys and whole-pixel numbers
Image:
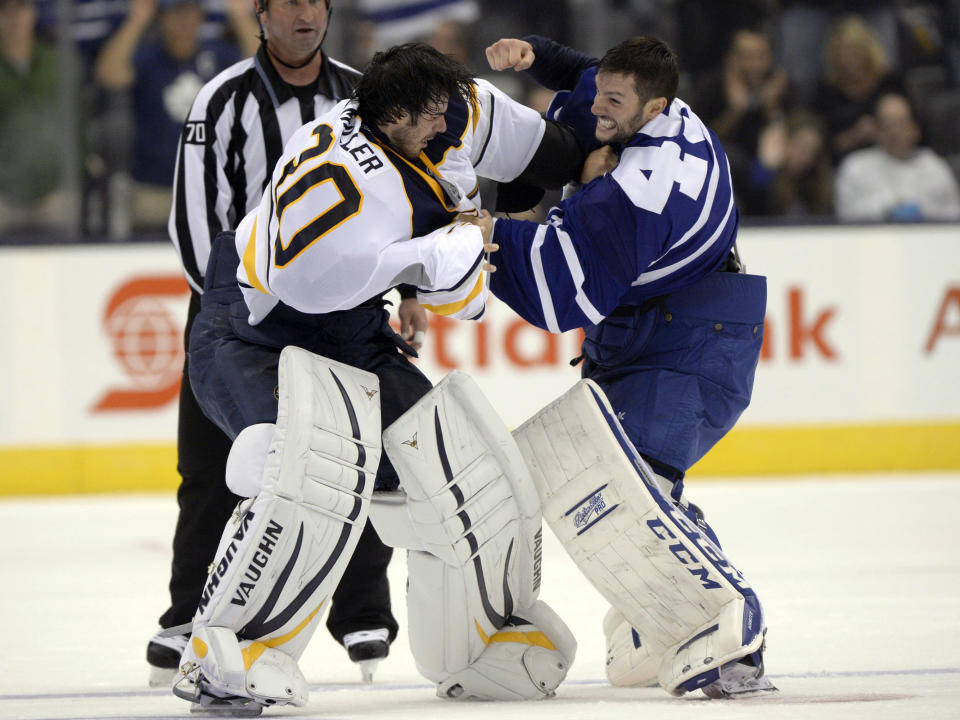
[{"x": 661, "y": 221}]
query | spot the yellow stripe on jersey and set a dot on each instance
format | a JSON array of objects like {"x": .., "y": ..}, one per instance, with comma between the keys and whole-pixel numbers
[
  {"x": 250, "y": 260},
  {"x": 434, "y": 185},
  {"x": 474, "y": 104},
  {"x": 454, "y": 307}
]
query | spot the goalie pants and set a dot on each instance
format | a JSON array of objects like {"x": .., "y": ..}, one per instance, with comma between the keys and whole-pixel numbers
[
  {"x": 233, "y": 371},
  {"x": 679, "y": 369}
]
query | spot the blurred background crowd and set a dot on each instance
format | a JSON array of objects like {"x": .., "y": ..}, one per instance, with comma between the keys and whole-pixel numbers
[{"x": 829, "y": 110}]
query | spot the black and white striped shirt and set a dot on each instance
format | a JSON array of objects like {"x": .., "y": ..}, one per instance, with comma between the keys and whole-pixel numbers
[{"x": 230, "y": 142}]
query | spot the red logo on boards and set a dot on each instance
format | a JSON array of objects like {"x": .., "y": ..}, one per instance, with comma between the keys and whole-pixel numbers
[{"x": 147, "y": 341}]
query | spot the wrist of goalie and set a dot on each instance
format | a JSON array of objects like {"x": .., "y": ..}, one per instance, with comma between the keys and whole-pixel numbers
[{"x": 696, "y": 661}]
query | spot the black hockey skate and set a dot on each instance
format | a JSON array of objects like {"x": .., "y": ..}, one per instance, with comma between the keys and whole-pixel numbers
[
  {"x": 163, "y": 656},
  {"x": 367, "y": 648}
]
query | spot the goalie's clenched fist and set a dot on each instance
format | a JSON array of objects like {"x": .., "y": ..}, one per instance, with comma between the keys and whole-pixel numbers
[{"x": 510, "y": 53}]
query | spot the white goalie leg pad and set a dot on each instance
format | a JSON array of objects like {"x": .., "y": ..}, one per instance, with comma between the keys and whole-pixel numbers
[
  {"x": 283, "y": 553},
  {"x": 526, "y": 660},
  {"x": 472, "y": 522},
  {"x": 239, "y": 673},
  {"x": 648, "y": 559},
  {"x": 630, "y": 661}
]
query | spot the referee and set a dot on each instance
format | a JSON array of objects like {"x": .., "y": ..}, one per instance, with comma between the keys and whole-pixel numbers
[{"x": 230, "y": 142}]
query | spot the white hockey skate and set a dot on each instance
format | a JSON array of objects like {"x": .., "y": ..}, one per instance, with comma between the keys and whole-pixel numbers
[{"x": 739, "y": 680}]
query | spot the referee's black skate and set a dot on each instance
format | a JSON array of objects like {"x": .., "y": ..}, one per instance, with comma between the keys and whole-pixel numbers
[
  {"x": 163, "y": 656},
  {"x": 367, "y": 648}
]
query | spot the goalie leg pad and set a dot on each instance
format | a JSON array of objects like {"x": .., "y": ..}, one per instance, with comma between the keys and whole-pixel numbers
[
  {"x": 642, "y": 552},
  {"x": 283, "y": 553},
  {"x": 233, "y": 670},
  {"x": 526, "y": 660},
  {"x": 471, "y": 521},
  {"x": 630, "y": 661}
]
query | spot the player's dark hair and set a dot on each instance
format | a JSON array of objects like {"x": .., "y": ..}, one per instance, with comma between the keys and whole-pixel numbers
[
  {"x": 651, "y": 62},
  {"x": 411, "y": 78}
]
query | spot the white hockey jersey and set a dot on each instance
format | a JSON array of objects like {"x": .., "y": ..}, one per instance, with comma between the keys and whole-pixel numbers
[{"x": 345, "y": 217}]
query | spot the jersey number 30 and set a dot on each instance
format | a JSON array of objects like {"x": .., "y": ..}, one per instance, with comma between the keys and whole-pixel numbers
[{"x": 348, "y": 205}]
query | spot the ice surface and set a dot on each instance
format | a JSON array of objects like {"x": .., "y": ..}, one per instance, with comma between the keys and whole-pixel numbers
[{"x": 859, "y": 576}]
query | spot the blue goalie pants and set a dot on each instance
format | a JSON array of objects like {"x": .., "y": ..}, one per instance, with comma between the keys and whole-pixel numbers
[{"x": 679, "y": 369}]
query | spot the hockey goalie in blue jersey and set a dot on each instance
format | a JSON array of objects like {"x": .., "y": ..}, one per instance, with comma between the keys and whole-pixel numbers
[{"x": 642, "y": 257}]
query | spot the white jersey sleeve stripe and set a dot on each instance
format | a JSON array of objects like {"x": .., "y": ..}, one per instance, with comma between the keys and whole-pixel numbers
[
  {"x": 543, "y": 287},
  {"x": 707, "y": 204},
  {"x": 576, "y": 272},
  {"x": 649, "y": 277}
]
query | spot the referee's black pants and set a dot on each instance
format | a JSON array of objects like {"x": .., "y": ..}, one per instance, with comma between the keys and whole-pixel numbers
[{"x": 361, "y": 600}]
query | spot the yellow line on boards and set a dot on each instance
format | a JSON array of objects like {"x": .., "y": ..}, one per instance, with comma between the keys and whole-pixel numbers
[
  {"x": 747, "y": 451},
  {"x": 82, "y": 469},
  {"x": 834, "y": 448}
]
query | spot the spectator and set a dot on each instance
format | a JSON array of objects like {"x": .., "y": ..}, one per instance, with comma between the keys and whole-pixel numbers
[
  {"x": 793, "y": 177},
  {"x": 382, "y": 23},
  {"x": 29, "y": 123},
  {"x": 857, "y": 73},
  {"x": 702, "y": 50},
  {"x": 95, "y": 21},
  {"x": 163, "y": 74},
  {"x": 803, "y": 25},
  {"x": 740, "y": 101},
  {"x": 896, "y": 180}
]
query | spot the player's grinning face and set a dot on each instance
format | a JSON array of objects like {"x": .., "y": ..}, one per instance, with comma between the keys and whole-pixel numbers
[
  {"x": 294, "y": 28},
  {"x": 618, "y": 108}
]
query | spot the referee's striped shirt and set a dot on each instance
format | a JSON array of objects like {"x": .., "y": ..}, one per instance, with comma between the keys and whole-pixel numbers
[{"x": 230, "y": 142}]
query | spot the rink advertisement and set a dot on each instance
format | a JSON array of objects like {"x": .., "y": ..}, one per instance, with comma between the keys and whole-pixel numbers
[{"x": 859, "y": 365}]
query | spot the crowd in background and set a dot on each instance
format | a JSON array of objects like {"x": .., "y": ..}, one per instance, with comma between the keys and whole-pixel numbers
[{"x": 828, "y": 110}]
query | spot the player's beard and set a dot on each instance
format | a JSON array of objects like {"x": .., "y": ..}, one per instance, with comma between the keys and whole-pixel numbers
[{"x": 621, "y": 133}]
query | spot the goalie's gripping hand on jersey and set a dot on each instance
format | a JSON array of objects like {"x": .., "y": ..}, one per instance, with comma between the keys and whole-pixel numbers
[{"x": 484, "y": 221}]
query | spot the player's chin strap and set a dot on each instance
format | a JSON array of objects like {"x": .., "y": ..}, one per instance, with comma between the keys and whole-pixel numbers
[
  {"x": 308, "y": 479},
  {"x": 470, "y": 519},
  {"x": 686, "y": 611}
]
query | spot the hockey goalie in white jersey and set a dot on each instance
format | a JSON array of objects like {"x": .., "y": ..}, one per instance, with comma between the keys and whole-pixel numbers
[{"x": 292, "y": 356}]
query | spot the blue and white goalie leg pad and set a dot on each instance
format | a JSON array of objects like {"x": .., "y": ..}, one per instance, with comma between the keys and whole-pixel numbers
[
  {"x": 688, "y": 604},
  {"x": 470, "y": 519},
  {"x": 283, "y": 553}
]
